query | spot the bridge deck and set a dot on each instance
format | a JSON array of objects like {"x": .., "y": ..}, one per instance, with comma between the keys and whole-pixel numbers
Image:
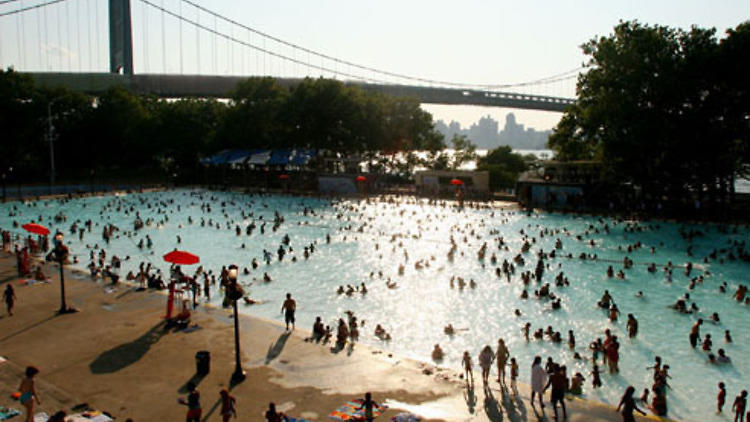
[{"x": 177, "y": 86}]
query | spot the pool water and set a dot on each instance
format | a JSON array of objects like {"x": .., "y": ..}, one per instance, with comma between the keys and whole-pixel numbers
[{"x": 373, "y": 237}]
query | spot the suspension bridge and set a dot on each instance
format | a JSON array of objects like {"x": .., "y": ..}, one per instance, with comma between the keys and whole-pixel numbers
[{"x": 59, "y": 43}]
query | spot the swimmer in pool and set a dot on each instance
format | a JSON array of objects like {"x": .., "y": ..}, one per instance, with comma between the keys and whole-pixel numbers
[{"x": 437, "y": 353}]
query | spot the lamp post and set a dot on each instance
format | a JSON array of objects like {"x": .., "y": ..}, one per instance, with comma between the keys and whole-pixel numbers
[
  {"x": 235, "y": 292},
  {"x": 61, "y": 254}
]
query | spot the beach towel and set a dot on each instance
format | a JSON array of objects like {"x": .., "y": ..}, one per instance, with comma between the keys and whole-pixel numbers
[
  {"x": 41, "y": 417},
  {"x": 89, "y": 416},
  {"x": 351, "y": 411},
  {"x": 31, "y": 281},
  {"x": 7, "y": 413}
]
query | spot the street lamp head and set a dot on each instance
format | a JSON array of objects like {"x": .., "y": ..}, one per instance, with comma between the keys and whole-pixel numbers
[
  {"x": 234, "y": 290},
  {"x": 61, "y": 252},
  {"x": 232, "y": 272}
]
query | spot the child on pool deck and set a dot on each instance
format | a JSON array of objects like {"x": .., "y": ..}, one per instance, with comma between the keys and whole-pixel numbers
[
  {"x": 28, "y": 393},
  {"x": 369, "y": 404}
]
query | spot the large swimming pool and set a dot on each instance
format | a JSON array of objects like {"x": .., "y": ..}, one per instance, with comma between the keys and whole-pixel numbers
[{"x": 372, "y": 237}]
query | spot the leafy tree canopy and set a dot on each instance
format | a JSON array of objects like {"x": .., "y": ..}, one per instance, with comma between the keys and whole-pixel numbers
[
  {"x": 665, "y": 109},
  {"x": 118, "y": 130}
]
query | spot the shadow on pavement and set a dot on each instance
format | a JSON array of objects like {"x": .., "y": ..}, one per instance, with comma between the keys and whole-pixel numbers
[
  {"x": 127, "y": 354},
  {"x": 491, "y": 406},
  {"x": 217, "y": 403},
  {"x": 195, "y": 379},
  {"x": 470, "y": 397},
  {"x": 275, "y": 350},
  {"x": 23, "y": 330}
]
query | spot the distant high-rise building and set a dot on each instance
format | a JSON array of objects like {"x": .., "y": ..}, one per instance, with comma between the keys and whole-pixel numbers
[{"x": 485, "y": 134}]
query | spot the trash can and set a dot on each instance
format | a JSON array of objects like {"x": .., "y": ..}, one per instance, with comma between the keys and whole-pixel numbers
[{"x": 203, "y": 362}]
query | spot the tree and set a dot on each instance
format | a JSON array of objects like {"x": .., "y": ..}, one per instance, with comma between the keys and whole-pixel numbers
[
  {"x": 252, "y": 119},
  {"x": 19, "y": 114},
  {"x": 656, "y": 106},
  {"x": 504, "y": 167},
  {"x": 121, "y": 121},
  {"x": 186, "y": 131},
  {"x": 464, "y": 151},
  {"x": 123, "y": 134}
]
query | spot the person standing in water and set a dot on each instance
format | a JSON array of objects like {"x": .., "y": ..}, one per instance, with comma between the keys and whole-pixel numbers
[
  {"x": 559, "y": 383},
  {"x": 485, "y": 361},
  {"x": 28, "y": 393},
  {"x": 467, "y": 368},
  {"x": 695, "y": 333},
  {"x": 538, "y": 380},
  {"x": 288, "y": 309},
  {"x": 502, "y": 358},
  {"x": 738, "y": 407},
  {"x": 627, "y": 403},
  {"x": 632, "y": 326},
  {"x": 721, "y": 397}
]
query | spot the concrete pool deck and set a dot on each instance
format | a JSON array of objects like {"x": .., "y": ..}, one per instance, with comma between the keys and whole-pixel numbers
[{"x": 116, "y": 356}]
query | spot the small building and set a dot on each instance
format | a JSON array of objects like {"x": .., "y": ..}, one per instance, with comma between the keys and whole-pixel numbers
[
  {"x": 563, "y": 185},
  {"x": 431, "y": 182}
]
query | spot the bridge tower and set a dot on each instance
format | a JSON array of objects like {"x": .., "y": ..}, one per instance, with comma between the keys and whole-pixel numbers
[{"x": 120, "y": 38}]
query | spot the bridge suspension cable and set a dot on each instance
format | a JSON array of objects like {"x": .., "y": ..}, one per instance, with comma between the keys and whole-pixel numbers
[
  {"x": 27, "y": 8},
  {"x": 546, "y": 80},
  {"x": 218, "y": 33}
]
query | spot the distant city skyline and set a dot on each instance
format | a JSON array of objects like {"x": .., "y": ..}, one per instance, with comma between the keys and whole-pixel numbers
[
  {"x": 486, "y": 133},
  {"x": 468, "y": 115}
]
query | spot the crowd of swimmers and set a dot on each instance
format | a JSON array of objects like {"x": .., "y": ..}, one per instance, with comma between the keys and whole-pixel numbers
[{"x": 346, "y": 330}]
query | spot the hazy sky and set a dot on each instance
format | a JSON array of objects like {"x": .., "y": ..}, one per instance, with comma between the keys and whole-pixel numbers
[{"x": 471, "y": 41}]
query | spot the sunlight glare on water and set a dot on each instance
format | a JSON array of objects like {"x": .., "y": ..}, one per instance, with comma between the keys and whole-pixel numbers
[{"x": 368, "y": 238}]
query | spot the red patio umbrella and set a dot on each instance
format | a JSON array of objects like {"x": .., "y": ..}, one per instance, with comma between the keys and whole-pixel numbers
[
  {"x": 284, "y": 176},
  {"x": 181, "y": 258},
  {"x": 361, "y": 178},
  {"x": 36, "y": 228},
  {"x": 456, "y": 182}
]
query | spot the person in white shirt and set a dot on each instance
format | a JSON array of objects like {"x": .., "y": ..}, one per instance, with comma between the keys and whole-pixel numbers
[{"x": 538, "y": 380}]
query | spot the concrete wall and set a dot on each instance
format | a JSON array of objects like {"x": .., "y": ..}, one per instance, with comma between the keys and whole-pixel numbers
[{"x": 473, "y": 180}]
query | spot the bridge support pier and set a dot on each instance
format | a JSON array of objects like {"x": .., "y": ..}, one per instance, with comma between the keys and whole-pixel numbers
[{"x": 120, "y": 38}]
